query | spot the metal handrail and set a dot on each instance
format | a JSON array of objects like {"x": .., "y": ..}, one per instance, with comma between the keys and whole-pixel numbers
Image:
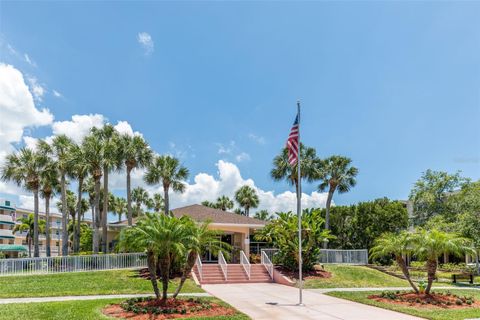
[
  {"x": 265, "y": 260},
  {"x": 245, "y": 263},
  {"x": 222, "y": 263},
  {"x": 199, "y": 267}
]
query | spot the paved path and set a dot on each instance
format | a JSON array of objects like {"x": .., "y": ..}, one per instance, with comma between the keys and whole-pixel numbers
[
  {"x": 268, "y": 301},
  {"x": 95, "y": 297}
]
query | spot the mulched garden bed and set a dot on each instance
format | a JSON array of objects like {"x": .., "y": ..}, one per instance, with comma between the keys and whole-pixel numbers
[
  {"x": 445, "y": 300},
  {"x": 149, "y": 308},
  {"x": 318, "y": 273}
]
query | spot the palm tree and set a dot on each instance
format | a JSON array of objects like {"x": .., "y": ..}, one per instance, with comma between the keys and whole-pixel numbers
[
  {"x": 430, "y": 244},
  {"x": 209, "y": 204},
  {"x": 60, "y": 150},
  {"x": 247, "y": 198},
  {"x": 224, "y": 203},
  {"x": 27, "y": 224},
  {"x": 72, "y": 205},
  {"x": 49, "y": 185},
  {"x": 24, "y": 168},
  {"x": 263, "y": 215},
  {"x": 93, "y": 147},
  {"x": 282, "y": 170},
  {"x": 397, "y": 244},
  {"x": 168, "y": 171},
  {"x": 336, "y": 173},
  {"x": 119, "y": 207},
  {"x": 137, "y": 154},
  {"x": 139, "y": 197},
  {"x": 156, "y": 203}
]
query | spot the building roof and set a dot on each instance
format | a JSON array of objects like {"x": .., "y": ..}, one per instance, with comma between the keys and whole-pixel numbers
[
  {"x": 12, "y": 247},
  {"x": 201, "y": 213}
]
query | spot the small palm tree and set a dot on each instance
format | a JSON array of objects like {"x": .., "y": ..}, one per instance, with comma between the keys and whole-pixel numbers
[
  {"x": 139, "y": 197},
  {"x": 49, "y": 186},
  {"x": 430, "y": 244},
  {"x": 28, "y": 225},
  {"x": 137, "y": 154},
  {"x": 119, "y": 207},
  {"x": 224, "y": 203},
  {"x": 399, "y": 245},
  {"x": 71, "y": 209},
  {"x": 168, "y": 171},
  {"x": 156, "y": 203},
  {"x": 263, "y": 215},
  {"x": 247, "y": 198},
  {"x": 24, "y": 168},
  {"x": 209, "y": 204},
  {"x": 336, "y": 173}
]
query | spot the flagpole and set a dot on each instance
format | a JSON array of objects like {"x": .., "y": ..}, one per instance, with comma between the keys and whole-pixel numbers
[{"x": 299, "y": 210}]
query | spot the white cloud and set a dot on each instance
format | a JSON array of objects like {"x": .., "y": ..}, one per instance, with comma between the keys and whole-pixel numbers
[
  {"x": 37, "y": 89},
  {"x": 79, "y": 126},
  {"x": 243, "y": 156},
  {"x": 27, "y": 202},
  {"x": 257, "y": 139},
  {"x": 226, "y": 149},
  {"x": 56, "y": 93},
  {"x": 146, "y": 42},
  {"x": 29, "y": 60},
  {"x": 30, "y": 142},
  {"x": 123, "y": 127}
]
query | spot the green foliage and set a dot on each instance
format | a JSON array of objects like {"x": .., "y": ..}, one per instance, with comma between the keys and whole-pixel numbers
[
  {"x": 264, "y": 215},
  {"x": 282, "y": 233},
  {"x": 247, "y": 198}
]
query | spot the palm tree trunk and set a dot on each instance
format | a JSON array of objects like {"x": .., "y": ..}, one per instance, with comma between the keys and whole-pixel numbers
[
  {"x": 164, "y": 269},
  {"x": 431, "y": 270},
  {"x": 167, "y": 199},
  {"x": 76, "y": 233},
  {"x": 403, "y": 265},
  {"x": 105, "y": 210},
  {"x": 247, "y": 211},
  {"x": 153, "y": 275},
  {"x": 64, "y": 217},
  {"x": 36, "y": 249},
  {"x": 129, "y": 198},
  {"x": 29, "y": 241},
  {"x": 327, "y": 213},
  {"x": 47, "y": 224},
  {"x": 96, "y": 216},
  {"x": 192, "y": 257}
]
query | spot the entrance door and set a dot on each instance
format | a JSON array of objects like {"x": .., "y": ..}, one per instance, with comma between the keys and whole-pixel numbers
[{"x": 210, "y": 256}]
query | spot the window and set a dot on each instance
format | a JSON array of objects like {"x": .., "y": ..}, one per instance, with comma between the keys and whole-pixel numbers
[{"x": 57, "y": 243}]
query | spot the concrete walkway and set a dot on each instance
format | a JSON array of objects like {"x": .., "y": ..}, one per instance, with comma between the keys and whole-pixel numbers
[
  {"x": 93, "y": 297},
  {"x": 267, "y": 301}
]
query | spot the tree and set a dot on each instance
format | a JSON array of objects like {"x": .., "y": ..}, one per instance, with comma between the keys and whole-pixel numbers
[
  {"x": 139, "y": 197},
  {"x": 397, "y": 244},
  {"x": 209, "y": 204},
  {"x": 247, "y": 198},
  {"x": 430, "y": 244},
  {"x": 24, "y": 168},
  {"x": 49, "y": 185},
  {"x": 168, "y": 171},
  {"x": 137, "y": 154},
  {"x": 71, "y": 209},
  {"x": 263, "y": 215},
  {"x": 336, "y": 173},
  {"x": 29, "y": 226},
  {"x": 224, "y": 203},
  {"x": 431, "y": 192},
  {"x": 60, "y": 150},
  {"x": 156, "y": 203},
  {"x": 119, "y": 207}
]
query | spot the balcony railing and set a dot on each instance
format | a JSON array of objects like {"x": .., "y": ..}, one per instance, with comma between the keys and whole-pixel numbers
[{"x": 6, "y": 233}]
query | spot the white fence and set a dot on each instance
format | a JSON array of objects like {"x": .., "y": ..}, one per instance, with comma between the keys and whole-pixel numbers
[
  {"x": 359, "y": 257},
  {"x": 46, "y": 265}
]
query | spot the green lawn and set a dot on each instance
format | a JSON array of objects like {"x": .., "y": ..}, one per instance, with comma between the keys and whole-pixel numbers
[
  {"x": 74, "y": 310},
  {"x": 81, "y": 283},
  {"x": 355, "y": 277},
  {"x": 435, "y": 313}
]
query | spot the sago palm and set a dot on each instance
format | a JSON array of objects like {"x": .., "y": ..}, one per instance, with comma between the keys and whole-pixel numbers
[
  {"x": 24, "y": 169},
  {"x": 247, "y": 198},
  {"x": 169, "y": 172},
  {"x": 136, "y": 153}
]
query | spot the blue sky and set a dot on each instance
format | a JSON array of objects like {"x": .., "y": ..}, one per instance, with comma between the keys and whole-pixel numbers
[{"x": 393, "y": 85}]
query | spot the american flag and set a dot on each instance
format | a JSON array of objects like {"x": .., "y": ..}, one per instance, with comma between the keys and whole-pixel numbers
[{"x": 292, "y": 143}]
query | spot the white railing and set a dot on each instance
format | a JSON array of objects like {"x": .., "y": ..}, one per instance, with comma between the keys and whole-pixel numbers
[
  {"x": 199, "y": 267},
  {"x": 359, "y": 257},
  {"x": 267, "y": 263},
  {"x": 6, "y": 218},
  {"x": 6, "y": 233},
  {"x": 223, "y": 264},
  {"x": 245, "y": 263},
  {"x": 270, "y": 252},
  {"x": 47, "y": 265}
]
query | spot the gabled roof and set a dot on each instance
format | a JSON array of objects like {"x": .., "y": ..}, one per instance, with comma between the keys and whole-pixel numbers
[{"x": 201, "y": 213}]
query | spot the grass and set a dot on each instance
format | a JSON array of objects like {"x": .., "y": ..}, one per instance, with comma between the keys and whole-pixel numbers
[
  {"x": 433, "y": 314},
  {"x": 355, "y": 277},
  {"x": 82, "y": 283},
  {"x": 75, "y": 310}
]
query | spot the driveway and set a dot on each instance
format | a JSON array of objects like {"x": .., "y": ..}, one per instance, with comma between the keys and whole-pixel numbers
[{"x": 266, "y": 301}]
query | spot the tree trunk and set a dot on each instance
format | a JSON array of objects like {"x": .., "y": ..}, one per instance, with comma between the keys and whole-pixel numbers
[
  {"x": 153, "y": 275},
  {"x": 431, "y": 270},
  {"x": 129, "y": 198},
  {"x": 36, "y": 249},
  {"x": 29, "y": 241},
  {"x": 402, "y": 264},
  {"x": 247, "y": 211},
  {"x": 192, "y": 257},
  {"x": 47, "y": 224},
  {"x": 167, "y": 200},
  {"x": 165, "y": 274},
  {"x": 327, "y": 213},
  {"x": 477, "y": 263},
  {"x": 64, "y": 216},
  {"x": 105, "y": 210},
  {"x": 96, "y": 217},
  {"x": 76, "y": 227}
]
